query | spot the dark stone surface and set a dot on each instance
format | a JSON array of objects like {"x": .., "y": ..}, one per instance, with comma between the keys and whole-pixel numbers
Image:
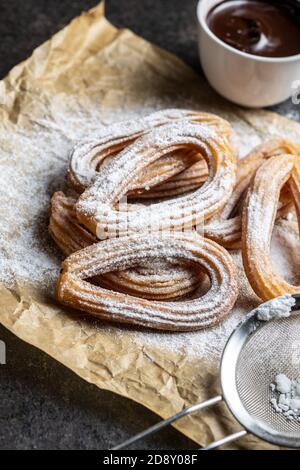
[
  {"x": 43, "y": 405},
  {"x": 46, "y": 406}
]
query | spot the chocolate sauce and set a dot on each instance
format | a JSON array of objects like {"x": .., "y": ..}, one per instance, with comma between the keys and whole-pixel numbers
[{"x": 264, "y": 28}]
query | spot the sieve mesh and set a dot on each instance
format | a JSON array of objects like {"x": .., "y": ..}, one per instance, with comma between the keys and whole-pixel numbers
[{"x": 272, "y": 349}]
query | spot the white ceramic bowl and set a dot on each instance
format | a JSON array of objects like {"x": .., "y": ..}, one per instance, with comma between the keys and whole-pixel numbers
[{"x": 245, "y": 79}]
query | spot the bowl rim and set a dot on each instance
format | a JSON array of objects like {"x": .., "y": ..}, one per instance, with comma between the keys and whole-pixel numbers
[{"x": 202, "y": 20}]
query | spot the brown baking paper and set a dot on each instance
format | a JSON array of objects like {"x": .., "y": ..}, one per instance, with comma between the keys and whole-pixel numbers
[{"x": 89, "y": 75}]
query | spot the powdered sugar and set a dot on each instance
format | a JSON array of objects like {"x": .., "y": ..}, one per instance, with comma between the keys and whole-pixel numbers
[
  {"x": 25, "y": 185},
  {"x": 280, "y": 307},
  {"x": 286, "y": 397}
]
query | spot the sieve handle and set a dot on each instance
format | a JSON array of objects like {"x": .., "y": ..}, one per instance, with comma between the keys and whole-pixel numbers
[
  {"x": 225, "y": 440},
  {"x": 166, "y": 422}
]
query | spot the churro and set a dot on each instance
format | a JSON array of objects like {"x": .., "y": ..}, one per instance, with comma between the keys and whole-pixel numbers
[
  {"x": 257, "y": 223},
  {"x": 97, "y": 207},
  {"x": 75, "y": 290}
]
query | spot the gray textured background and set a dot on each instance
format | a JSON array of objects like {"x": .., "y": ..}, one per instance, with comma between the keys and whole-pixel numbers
[{"x": 42, "y": 404}]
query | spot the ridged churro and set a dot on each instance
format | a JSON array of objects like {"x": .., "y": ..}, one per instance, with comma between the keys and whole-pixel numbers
[
  {"x": 88, "y": 156},
  {"x": 74, "y": 290},
  {"x": 162, "y": 280},
  {"x": 258, "y": 219},
  {"x": 97, "y": 207}
]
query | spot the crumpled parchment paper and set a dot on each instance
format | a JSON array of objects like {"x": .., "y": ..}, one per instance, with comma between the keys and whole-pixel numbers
[{"x": 87, "y": 75}]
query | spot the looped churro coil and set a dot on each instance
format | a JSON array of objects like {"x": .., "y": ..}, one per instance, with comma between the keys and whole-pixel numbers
[
  {"x": 88, "y": 156},
  {"x": 73, "y": 288},
  {"x": 96, "y": 207},
  {"x": 156, "y": 281}
]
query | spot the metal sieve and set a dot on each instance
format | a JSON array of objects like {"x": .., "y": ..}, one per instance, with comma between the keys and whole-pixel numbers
[{"x": 254, "y": 354}]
